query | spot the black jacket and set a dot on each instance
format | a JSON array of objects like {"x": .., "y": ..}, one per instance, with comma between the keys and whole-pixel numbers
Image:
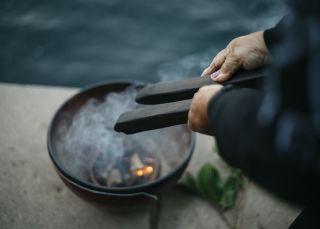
[{"x": 273, "y": 134}]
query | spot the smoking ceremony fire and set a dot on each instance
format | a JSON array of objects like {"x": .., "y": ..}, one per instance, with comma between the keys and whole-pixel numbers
[{"x": 92, "y": 151}]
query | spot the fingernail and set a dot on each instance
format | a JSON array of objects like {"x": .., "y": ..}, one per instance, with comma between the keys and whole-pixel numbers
[
  {"x": 204, "y": 72},
  {"x": 215, "y": 74}
]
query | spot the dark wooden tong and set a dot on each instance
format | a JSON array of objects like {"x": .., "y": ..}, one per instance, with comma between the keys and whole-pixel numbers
[{"x": 173, "y": 100}]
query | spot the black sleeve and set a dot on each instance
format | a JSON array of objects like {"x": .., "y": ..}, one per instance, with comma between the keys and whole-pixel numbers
[
  {"x": 285, "y": 160},
  {"x": 273, "y": 35}
]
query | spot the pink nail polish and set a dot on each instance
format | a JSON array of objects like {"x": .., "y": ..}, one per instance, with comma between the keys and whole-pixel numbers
[{"x": 215, "y": 74}]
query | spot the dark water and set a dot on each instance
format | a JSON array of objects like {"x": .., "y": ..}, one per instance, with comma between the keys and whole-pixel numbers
[{"x": 78, "y": 42}]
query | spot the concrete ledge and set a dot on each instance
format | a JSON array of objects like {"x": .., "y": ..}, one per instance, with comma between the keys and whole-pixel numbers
[{"x": 32, "y": 195}]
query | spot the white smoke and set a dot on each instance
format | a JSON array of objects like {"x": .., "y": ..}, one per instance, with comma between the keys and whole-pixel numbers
[
  {"x": 90, "y": 135},
  {"x": 91, "y": 131}
]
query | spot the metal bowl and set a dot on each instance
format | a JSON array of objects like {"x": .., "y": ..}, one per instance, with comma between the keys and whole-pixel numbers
[{"x": 113, "y": 197}]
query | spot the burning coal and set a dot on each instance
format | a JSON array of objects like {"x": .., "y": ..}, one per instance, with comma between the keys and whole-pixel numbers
[{"x": 91, "y": 150}]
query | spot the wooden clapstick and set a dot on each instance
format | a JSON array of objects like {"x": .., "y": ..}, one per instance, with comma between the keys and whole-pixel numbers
[
  {"x": 170, "y": 113},
  {"x": 151, "y": 117},
  {"x": 184, "y": 89}
]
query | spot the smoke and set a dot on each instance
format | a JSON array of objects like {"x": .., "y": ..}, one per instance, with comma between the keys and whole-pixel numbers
[
  {"x": 91, "y": 132},
  {"x": 188, "y": 66},
  {"x": 90, "y": 137}
]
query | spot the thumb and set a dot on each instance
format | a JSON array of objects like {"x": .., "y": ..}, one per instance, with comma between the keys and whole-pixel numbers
[{"x": 231, "y": 65}]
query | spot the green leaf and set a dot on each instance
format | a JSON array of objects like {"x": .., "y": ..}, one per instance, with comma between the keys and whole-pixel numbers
[
  {"x": 209, "y": 185},
  {"x": 229, "y": 194},
  {"x": 237, "y": 174},
  {"x": 241, "y": 183},
  {"x": 209, "y": 182}
]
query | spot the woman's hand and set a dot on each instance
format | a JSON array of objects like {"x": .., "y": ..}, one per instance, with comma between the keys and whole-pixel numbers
[
  {"x": 198, "y": 115},
  {"x": 247, "y": 52}
]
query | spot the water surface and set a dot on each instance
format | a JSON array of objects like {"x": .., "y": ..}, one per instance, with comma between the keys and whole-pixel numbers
[{"x": 78, "y": 42}]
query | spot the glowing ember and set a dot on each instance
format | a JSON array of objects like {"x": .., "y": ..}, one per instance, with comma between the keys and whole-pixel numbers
[
  {"x": 135, "y": 168},
  {"x": 149, "y": 170},
  {"x": 145, "y": 171}
]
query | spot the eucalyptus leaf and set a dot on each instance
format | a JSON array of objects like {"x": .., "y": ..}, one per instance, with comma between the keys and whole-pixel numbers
[
  {"x": 229, "y": 194},
  {"x": 238, "y": 176},
  {"x": 209, "y": 185},
  {"x": 209, "y": 182}
]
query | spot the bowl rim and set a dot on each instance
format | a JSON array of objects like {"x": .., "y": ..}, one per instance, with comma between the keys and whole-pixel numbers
[{"x": 103, "y": 189}]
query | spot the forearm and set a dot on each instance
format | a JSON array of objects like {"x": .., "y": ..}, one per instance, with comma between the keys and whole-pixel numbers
[
  {"x": 243, "y": 144},
  {"x": 232, "y": 113}
]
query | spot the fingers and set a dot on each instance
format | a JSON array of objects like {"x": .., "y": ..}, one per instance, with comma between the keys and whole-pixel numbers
[
  {"x": 196, "y": 122},
  {"x": 248, "y": 52},
  {"x": 192, "y": 117},
  {"x": 198, "y": 119},
  {"x": 229, "y": 67},
  {"x": 216, "y": 63},
  {"x": 227, "y": 62}
]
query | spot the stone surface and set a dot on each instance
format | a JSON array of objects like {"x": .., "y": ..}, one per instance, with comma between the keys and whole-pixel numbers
[
  {"x": 31, "y": 193},
  {"x": 255, "y": 209},
  {"x": 181, "y": 210},
  {"x": 33, "y": 196},
  {"x": 261, "y": 210}
]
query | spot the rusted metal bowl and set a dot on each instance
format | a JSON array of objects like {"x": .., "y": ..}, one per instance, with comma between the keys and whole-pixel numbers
[{"x": 115, "y": 197}]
